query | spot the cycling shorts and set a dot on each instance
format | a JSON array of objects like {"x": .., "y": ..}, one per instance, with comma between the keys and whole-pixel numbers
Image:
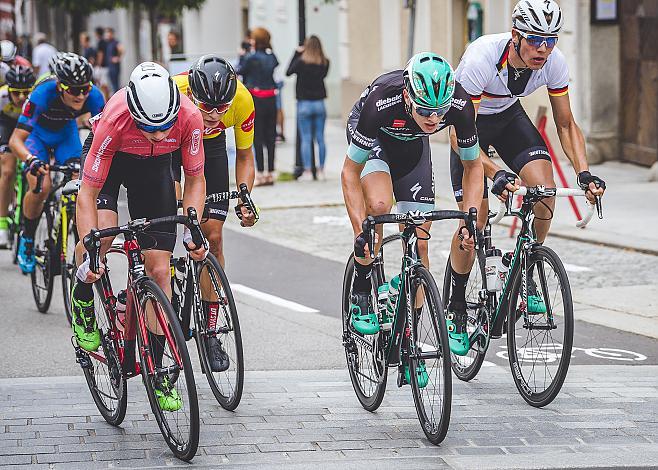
[
  {"x": 7, "y": 126},
  {"x": 64, "y": 144},
  {"x": 215, "y": 171},
  {"x": 512, "y": 134},
  {"x": 151, "y": 194},
  {"x": 409, "y": 164}
]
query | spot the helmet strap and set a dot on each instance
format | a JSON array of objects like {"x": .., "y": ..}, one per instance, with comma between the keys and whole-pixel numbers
[{"x": 517, "y": 48}]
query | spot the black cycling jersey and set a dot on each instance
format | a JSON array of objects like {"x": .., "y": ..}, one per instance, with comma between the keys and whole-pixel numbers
[{"x": 381, "y": 109}]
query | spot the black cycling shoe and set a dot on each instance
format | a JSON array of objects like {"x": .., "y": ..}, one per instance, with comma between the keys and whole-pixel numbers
[{"x": 217, "y": 357}]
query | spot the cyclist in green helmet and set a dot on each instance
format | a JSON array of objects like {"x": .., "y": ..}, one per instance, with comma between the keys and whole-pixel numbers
[{"x": 388, "y": 132}]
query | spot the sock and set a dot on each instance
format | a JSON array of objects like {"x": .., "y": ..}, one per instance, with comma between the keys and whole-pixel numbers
[
  {"x": 83, "y": 291},
  {"x": 30, "y": 227},
  {"x": 362, "y": 284},
  {"x": 458, "y": 286},
  {"x": 4, "y": 223},
  {"x": 157, "y": 348}
]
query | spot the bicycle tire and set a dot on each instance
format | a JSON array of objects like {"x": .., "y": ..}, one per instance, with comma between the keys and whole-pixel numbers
[
  {"x": 115, "y": 378},
  {"x": 530, "y": 393},
  {"x": 467, "y": 367},
  {"x": 43, "y": 253},
  {"x": 228, "y": 401},
  {"x": 372, "y": 398},
  {"x": 434, "y": 431},
  {"x": 68, "y": 269},
  {"x": 184, "y": 450}
]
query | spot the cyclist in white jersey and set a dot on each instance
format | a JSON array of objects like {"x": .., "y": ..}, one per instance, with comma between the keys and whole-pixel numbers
[{"x": 496, "y": 70}]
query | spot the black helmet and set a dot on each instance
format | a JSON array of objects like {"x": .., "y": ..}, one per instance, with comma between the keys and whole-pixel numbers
[
  {"x": 73, "y": 70},
  {"x": 213, "y": 80},
  {"x": 20, "y": 77}
]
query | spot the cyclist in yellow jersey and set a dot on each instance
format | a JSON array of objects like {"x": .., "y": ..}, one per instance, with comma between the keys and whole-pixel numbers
[{"x": 224, "y": 102}]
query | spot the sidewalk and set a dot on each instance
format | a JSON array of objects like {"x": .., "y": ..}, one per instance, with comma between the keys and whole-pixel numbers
[{"x": 627, "y": 224}]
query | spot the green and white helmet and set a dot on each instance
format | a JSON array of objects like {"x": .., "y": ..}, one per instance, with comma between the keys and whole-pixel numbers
[{"x": 429, "y": 80}]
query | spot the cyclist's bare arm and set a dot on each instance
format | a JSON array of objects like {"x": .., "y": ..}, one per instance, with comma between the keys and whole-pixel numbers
[
  {"x": 570, "y": 135},
  {"x": 17, "y": 143},
  {"x": 355, "y": 203},
  {"x": 244, "y": 173}
]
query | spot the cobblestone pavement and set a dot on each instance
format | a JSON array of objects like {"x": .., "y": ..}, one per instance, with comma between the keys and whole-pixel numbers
[{"x": 605, "y": 416}]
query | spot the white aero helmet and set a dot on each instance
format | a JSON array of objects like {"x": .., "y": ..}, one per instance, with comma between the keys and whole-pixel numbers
[
  {"x": 537, "y": 16},
  {"x": 153, "y": 98},
  {"x": 7, "y": 50}
]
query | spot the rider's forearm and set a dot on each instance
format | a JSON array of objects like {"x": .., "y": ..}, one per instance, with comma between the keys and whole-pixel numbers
[
  {"x": 472, "y": 183},
  {"x": 194, "y": 193},
  {"x": 573, "y": 144},
  {"x": 17, "y": 143},
  {"x": 353, "y": 193},
  {"x": 490, "y": 168},
  {"x": 86, "y": 213},
  {"x": 244, "y": 167}
]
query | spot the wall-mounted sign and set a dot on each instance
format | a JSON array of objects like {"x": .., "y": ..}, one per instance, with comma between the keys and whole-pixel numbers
[{"x": 605, "y": 11}]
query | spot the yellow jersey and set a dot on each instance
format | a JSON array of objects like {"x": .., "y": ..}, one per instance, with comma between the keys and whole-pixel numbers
[{"x": 240, "y": 116}]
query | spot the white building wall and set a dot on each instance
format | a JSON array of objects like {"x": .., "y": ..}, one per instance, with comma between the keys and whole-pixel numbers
[{"x": 213, "y": 28}]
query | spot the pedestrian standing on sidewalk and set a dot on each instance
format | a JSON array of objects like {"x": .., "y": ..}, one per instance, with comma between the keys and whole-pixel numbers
[
  {"x": 112, "y": 58},
  {"x": 311, "y": 67},
  {"x": 257, "y": 70},
  {"x": 41, "y": 54}
]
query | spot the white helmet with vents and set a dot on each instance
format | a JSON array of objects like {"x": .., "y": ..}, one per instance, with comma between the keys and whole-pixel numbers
[
  {"x": 153, "y": 98},
  {"x": 537, "y": 16}
]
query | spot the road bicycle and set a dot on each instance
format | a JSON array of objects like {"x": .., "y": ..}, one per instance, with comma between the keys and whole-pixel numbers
[
  {"x": 203, "y": 301},
  {"x": 55, "y": 238},
  {"x": 15, "y": 213},
  {"x": 417, "y": 340},
  {"x": 497, "y": 303},
  {"x": 108, "y": 369}
]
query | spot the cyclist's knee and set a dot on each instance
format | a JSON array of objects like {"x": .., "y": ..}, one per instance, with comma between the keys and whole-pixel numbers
[
  {"x": 160, "y": 273},
  {"x": 215, "y": 242},
  {"x": 379, "y": 207}
]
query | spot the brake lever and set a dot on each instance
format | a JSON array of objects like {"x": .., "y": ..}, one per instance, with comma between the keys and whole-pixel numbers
[{"x": 599, "y": 206}]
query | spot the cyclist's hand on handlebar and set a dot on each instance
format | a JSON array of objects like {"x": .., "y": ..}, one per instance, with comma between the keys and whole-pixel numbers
[
  {"x": 196, "y": 253},
  {"x": 505, "y": 183},
  {"x": 36, "y": 167},
  {"x": 592, "y": 185},
  {"x": 361, "y": 248},
  {"x": 466, "y": 240},
  {"x": 86, "y": 275},
  {"x": 247, "y": 217}
]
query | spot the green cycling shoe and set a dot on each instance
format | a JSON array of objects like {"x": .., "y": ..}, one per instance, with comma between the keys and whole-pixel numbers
[
  {"x": 168, "y": 397},
  {"x": 84, "y": 324},
  {"x": 536, "y": 305},
  {"x": 456, "y": 322},
  {"x": 421, "y": 373},
  {"x": 364, "y": 319}
]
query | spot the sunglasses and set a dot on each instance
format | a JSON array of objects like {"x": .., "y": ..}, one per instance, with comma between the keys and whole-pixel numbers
[
  {"x": 208, "y": 108},
  {"x": 152, "y": 129},
  {"x": 76, "y": 90},
  {"x": 429, "y": 112},
  {"x": 20, "y": 91},
  {"x": 536, "y": 41}
]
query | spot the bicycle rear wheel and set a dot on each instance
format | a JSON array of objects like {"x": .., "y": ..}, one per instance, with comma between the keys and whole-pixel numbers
[
  {"x": 179, "y": 428},
  {"x": 68, "y": 266},
  {"x": 364, "y": 354},
  {"x": 102, "y": 369},
  {"x": 467, "y": 367},
  {"x": 44, "y": 252},
  {"x": 429, "y": 361},
  {"x": 539, "y": 345},
  {"x": 225, "y": 385}
]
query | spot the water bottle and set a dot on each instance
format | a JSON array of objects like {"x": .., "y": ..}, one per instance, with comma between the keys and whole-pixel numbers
[
  {"x": 507, "y": 260},
  {"x": 493, "y": 266},
  {"x": 391, "y": 302},
  {"x": 121, "y": 310}
]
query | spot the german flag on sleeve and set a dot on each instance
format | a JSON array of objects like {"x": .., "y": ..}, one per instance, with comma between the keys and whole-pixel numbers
[{"x": 558, "y": 91}]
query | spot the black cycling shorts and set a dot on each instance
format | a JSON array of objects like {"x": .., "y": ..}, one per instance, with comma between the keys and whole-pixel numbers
[
  {"x": 151, "y": 194},
  {"x": 409, "y": 163},
  {"x": 215, "y": 171},
  {"x": 7, "y": 127},
  {"x": 512, "y": 134}
]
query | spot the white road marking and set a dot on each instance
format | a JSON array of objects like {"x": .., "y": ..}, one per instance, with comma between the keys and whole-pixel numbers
[
  {"x": 332, "y": 220},
  {"x": 273, "y": 299},
  {"x": 573, "y": 268}
]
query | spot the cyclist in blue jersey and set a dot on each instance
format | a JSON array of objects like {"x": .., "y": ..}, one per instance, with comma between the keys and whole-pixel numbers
[{"x": 47, "y": 125}]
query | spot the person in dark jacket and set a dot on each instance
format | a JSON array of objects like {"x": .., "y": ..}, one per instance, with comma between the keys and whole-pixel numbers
[
  {"x": 311, "y": 67},
  {"x": 257, "y": 70}
]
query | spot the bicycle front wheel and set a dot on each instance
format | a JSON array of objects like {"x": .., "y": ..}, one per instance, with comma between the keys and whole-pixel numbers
[
  {"x": 179, "y": 427},
  {"x": 467, "y": 367},
  {"x": 44, "y": 254},
  {"x": 540, "y": 335},
  {"x": 429, "y": 361},
  {"x": 226, "y": 385},
  {"x": 364, "y": 353}
]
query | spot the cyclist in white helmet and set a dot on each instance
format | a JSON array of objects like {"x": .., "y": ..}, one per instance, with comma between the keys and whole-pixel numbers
[
  {"x": 131, "y": 144},
  {"x": 495, "y": 71}
]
